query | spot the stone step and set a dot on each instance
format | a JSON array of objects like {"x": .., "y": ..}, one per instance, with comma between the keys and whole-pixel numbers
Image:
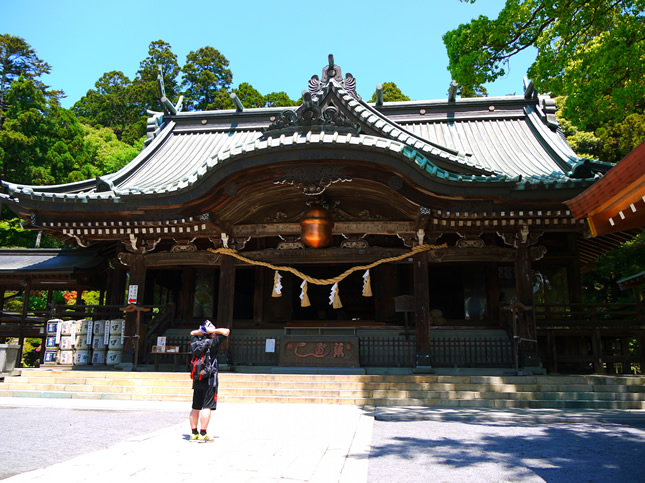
[
  {"x": 428, "y": 379},
  {"x": 456, "y": 403},
  {"x": 487, "y": 390},
  {"x": 557, "y": 392}
]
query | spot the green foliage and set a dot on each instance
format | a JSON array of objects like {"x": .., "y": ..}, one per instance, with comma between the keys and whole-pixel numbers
[
  {"x": 109, "y": 154},
  {"x": 12, "y": 235},
  {"x": 110, "y": 104},
  {"x": 23, "y": 138},
  {"x": 592, "y": 52},
  {"x": 249, "y": 96},
  {"x": 31, "y": 352},
  {"x": 279, "y": 99},
  {"x": 17, "y": 58},
  {"x": 619, "y": 138},
  {"x": 41, "y": 143},
  {"x": 621, "y": 262},
  {"x": 160, "y": 54},
  {"x": 204, "y": 75},
  {"x": 391, "y": 93}
]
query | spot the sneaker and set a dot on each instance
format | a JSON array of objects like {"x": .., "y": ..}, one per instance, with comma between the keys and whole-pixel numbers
[
  {"x": 206, "y": 438},
  {"x": 194, "y": 437}
]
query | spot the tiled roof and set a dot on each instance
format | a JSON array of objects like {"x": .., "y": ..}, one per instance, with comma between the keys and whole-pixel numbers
[{"x": 465, "y": 141}]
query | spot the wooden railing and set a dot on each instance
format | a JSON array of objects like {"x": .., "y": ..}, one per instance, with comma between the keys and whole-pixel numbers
[
  {"x": 387, "y": 351},
  {"x": 251, "y": 350},
  {"x": 471, "y": 352},
  {"x": 17, "y": 324}
]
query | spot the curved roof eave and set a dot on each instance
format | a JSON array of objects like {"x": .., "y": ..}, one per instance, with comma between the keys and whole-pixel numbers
[{"x": 418, "y": 165}]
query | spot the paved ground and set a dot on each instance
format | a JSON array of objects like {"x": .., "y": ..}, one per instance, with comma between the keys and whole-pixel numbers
[
  {"x": 101, "y": 441},
  {"x": 254, "y": 442},
  {"x": 493, "y": 451}
]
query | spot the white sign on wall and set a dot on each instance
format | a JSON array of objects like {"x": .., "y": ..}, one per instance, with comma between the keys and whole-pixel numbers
[
  {"x": 133, "y": 291},
  {"x": 270, "y": 345}
]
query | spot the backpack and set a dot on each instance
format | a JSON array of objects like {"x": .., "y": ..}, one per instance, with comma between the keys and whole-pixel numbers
[{"x": 202, "y": 366}]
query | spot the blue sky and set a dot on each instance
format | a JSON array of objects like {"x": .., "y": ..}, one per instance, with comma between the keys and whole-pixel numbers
[{"x": 275, "y": 46}]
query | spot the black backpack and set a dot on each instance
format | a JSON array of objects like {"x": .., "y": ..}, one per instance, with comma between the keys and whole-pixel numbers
[{"x": 202, "y": 366}]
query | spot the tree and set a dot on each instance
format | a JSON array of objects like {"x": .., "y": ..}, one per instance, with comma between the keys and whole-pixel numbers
[
  {"x": 279, "y": 99},
  {"x": 17, "y": 58},
  {"x": 391, "y": 93},
  {"x": 249, "y": 96},
  {"x": 589, "y": 51},
  {"x": 23, "y": 137},
  {"x": 109, "y": 104},
  {"x": 41, "y": 143},
  {"x": 107, "y": 152},
  {"x": 145, "y": 89},
  {"x": 204, "y": 75},
  {"x": 623, "y": 261}
]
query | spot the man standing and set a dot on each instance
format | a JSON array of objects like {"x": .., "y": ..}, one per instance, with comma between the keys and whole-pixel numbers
[{"x": 207, "y": 338}]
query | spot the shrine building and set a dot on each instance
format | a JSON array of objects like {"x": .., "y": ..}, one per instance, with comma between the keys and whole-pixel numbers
[{"x": 339, "y": 233}]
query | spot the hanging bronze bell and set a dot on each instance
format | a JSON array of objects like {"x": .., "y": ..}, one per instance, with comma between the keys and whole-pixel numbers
[{"x": 316, "y": 227}]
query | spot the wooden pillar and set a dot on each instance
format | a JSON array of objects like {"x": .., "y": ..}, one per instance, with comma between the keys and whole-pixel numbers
[
  {"x": 116, "y": 288},
  {"x": 596, "y": 347},
  {"x": 23, "y": 318},
  {"x": 226, "y": 301},
  {"x": 422, "y": 308},
  {"x": 526, "y": 329},
  {"x": 137, "y": 277}
]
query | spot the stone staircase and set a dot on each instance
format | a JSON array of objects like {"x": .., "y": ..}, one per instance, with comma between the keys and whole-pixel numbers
[{"x": 537, "y": 392}]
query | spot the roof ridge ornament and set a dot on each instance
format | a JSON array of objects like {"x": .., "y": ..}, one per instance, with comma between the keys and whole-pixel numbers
[
  {"x": 310, "y": 116},
  {"x": 318, "y": 87},
  {"x": 168, "y": 107}
]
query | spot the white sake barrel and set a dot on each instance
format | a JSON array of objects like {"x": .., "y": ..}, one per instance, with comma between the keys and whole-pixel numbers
[
  {"x": 81, "y": 357},
  {"x": 66, "y": 343},
  {"x": 66, "y": 358},
  {"x": 82, "y": 326},
  {"x": 51, "y": 357},
  {"x": 50, "y": 343},
  {"x": 98, "y": 343},
  {"x": 98, "y": 357},
  {"x": 66, "y": 327},
  {"x": 52, "y": 325},
  {"x": 99, "y": 327},
  {"x": 113, "y": 358},
  {"x": 115, "y": 343},
  {"x": 81, "y": 342},
  {"x": 116, "y": 326}
]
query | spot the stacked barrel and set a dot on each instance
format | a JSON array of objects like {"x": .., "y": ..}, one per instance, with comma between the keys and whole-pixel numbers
[
  {"x": 99, "y": 343},
  {"x": 52, "y": 341},
  {"x": 81, "y": 342},
  {"x": 115, "y": 342},
  {"x": 68, "y": 342}
]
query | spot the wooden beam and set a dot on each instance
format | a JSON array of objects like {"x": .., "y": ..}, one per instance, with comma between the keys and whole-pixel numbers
[
  {"x": 422, "y": 308},
  {"x": 345, "y": 227}
]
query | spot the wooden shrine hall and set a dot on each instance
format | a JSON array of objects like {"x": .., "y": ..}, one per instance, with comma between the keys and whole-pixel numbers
[{"x": 342, "y": 233}]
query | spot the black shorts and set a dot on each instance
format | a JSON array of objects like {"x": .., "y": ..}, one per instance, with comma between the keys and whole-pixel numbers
[{"x": 204, "y": 395}]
